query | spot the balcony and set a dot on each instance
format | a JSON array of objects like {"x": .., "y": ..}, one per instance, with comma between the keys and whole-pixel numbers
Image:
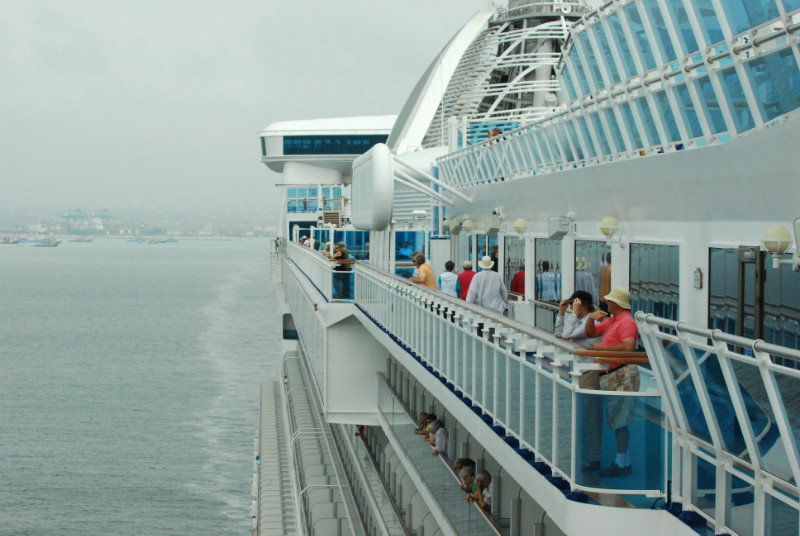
[{"x": 332, "y": 279}]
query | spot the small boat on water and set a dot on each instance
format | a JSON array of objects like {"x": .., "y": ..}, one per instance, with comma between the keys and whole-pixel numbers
[
  {"x": 83, "y": 240},
  {"x": 47, "y": 243}
]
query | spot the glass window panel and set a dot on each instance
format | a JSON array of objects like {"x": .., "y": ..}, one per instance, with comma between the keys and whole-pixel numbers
[
  {"x": 660, "y": 29},
  {"x": 593, "y": 268},
  {"x": 312, "y": 192},
  {"x": 667, "y": 118},
  {"x": 605, "y": 50},
  {"x": 623, "y": 47},
  {"x": 566, "y": 76},
  {"x": 601, "y": 134},
  {"x": 564, "y": 141},
  {"x": 688, "y": 112},
  {"x": 616, "y": 133},
  {"x": 637, "y": 30},
  {"x": 630, "y": 124},
  {"x": 514, "y": 264},
  {"x": 326, "y": 192},
  {"x": 775, "y": 80},
  {"x": 588, "y": 53},
  {"x": 337, "y": 192},
  {"x": 301, "y": 192},
  {"x": 578, "y": 72},
  {"x": 732, "y": 87},
  {"x": 711, "y": 107},
  {"x": 708, "y": 21},
  {"x": 744, "y": 14},
  {"x": 406, "y": 243},
  {"x": 684, "y": 28},
  {"x": 548, "y": 269},
  {"x": 791, "y": 5},
  {"x": 648, "y": 121},
  {"x": 653, "y": 269},
  {"x": 585, "y": 132},
  {"x": 538, "y": 134},
  {"x": 313, "y": 205},
  {"x": 576, "y": 141}
]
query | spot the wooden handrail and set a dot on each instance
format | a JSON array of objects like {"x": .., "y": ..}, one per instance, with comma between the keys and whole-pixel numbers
[{"x": 615, "y": 357}]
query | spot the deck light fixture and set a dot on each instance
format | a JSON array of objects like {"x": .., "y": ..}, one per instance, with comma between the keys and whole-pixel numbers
[
  {"x": 521, "y": 225},
  {"x": 468, "y": 225},
  {"x": 609, "y": 226},
  {"x": 777, "y": 240}
]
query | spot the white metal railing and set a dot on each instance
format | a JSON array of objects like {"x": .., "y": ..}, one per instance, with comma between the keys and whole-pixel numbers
[
  {"x": 333, "y": 285},
  {"x": 520, "y": 379},
  {"x": 733, "y": 410}
]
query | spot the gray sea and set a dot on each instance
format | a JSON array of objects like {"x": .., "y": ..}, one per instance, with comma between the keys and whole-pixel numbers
[{"x": 129, "y": 381}]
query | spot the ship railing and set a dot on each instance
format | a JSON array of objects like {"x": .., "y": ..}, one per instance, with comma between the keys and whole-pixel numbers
[
  {"x": 524, "y": 383},
  {"x": 542, "y": 8},
  {"x": 733, "y": 411},
  {"x": 327, "y": 276}
]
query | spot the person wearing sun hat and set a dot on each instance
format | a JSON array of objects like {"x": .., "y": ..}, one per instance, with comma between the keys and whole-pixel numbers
[{"x": 487, "y": 288}]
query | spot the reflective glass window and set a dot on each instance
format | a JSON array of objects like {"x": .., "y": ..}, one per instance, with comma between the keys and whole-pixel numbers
[
  {"x": 775, "y": 80},
  {"x": 531, "y": 143},
  {"x": 593, "y": 268},
  {"x": 605, "y": 50},
  {"x": 552, "y": 135},
  {"x": 791, "y": 5},
  {"x": 313, "y": 205},
  {"x": 291, "y": 193},
  {"x": 744, "y": 14},
  {"x": 514, "y": 264},
  {"x": 667, "y": 117},
  {"x": 648, "y": 121},
  {"x": 333, "y": 144},
  {"x": 548, "y": 269},
  {"x": 660, "y": 29},
  {"x": 654, "y": 280},
  {"x": 616, "y": 132},
  {"x": 623, "y": 47},
  {"x": 601, "y": 133},
  {"x": 585, "y": 133},
  {"x": 564, "y": 141},
  {"x": 578, "y": 72},
  {"x": 630, "y": 124},
  {"x": 637, "y": 30},
  {"x": 684, "y": 28},
  {"x": 566, "y": 76},
  {"x": 545, "y": 149},
  {"x": 732, "y": 87},
  {"x": 406, "y": 243},
  {"x": 723, "y": 290},
  {"x": 711, "y": 107},
  {"x": 688, "y": 112},
  {"x": 708, "y": 20},
  {"x": 312, "y": 192},
  {"x": 591, "y": 59},
  {"x": 576, "y": 141}
]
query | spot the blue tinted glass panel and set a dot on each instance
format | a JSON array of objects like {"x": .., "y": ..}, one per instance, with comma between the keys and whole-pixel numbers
[
  {"x": 622, "y": 45},
  {"x": 566, "y": 76},
  {"x": 312, "y": 192},
  {"x": 688, "y": 112},
  {"x": 591, "y": 59},
  {"x": 605, "y": 50},
  {"x": 630, "y": 124},
  {"x": 776, "y": 83},
  {"x": 667, "y": 117},
  {"x": 326, "y": 192},
  {"x": 711, "y": 107},
  {"x": 301, "y": 192},
  {"x": 337, "y": 192},
  {"x": 562, "y": 139},
  {"x": 791, "y": 5},
  {"x": 313, "y": 204},
  {"x": 292, "y": 192},
  {"x": 543, "y": 144},
  {"x": 338, "y": 144},
  {"x": 602, "y": 137},
  {"x": 648, "y": 121},
  {"x": 587, "y": 138},
  {"x": 576, "y": 141},
  {"x": 551, "y": 135},
  {"x": 708, "y": 21},
  {"x": 660, "y": 29},
  {"x": 744, "y": 14},
  {"x": 580, "y": 76},
  {"x": 732, "y": 87},
  {"x": 637, "y": 30},
  {"x": 684, "y": 28},
  {"x": 616, "y": 132}
]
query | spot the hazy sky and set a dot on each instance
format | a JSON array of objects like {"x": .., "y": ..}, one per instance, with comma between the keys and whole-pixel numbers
[{"x": 157, "y": 104}]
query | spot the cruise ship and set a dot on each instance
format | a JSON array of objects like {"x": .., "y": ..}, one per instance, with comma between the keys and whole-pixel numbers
[{"x": 642, "y": 145}]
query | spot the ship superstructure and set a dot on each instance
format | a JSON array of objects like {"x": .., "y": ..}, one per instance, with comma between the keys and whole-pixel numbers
[{"x": 645, "y": 144}]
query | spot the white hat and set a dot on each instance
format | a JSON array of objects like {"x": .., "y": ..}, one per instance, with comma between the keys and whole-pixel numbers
[
  {"x": 486, "y": 263},
  {"x": 620, "y": 296}
]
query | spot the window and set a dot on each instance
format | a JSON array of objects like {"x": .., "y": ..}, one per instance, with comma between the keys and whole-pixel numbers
[
  {"x": 406, "y": 243},
  {"x": 588, "y": 53},
  {"x": 548, "y": 270},
  {"x": 302, "y": 199},
  {"x": 744, "y": 14},
  {"x": 616, "y": 133},
  {"x": 667, "y": 118},
  {"x": 732, "y": 87},
  {"x": 566, "y": 76},
  {"x": 514, "y": 264},
  {"x": 605, "y": 50},
  {"x": 687, "y": 110},
  {"x": 684, "y": 28},
  {"x": 639, "y": 35},
  {"x": 711, "y": 107},
  {"x": 708, "y": 21},
  {"x": 593, "y": 268},
  {"x": 660, "y": 29},
  {"x": 578, "y": 72},
  {"x": 654, "y": 280},
  {"x": 630, "y": 124},
  {"x": 333, "y": 144},
  {"x": 576, "y": 142},
  {"x": 587, "y": 138},
  {"x": 775, "y": 80},
  {"x": 622, "y": 45},
  {"x": 648, "y": 121},
  {"x": 791, "y": 5}
]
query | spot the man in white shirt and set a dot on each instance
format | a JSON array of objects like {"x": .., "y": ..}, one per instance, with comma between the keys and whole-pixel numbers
[{"x": 487, "y": 288}]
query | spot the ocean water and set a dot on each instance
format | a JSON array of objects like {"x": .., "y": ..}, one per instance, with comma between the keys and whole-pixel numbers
[{"x": 129, "y": 381}]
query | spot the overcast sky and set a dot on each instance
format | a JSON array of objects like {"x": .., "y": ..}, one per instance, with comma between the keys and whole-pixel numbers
[{"x": 157, "y": 104}]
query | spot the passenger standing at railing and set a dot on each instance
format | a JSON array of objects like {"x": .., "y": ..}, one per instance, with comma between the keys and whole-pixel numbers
[
  {"x": 619, "y": 333},
  {"x": 482, "y": 491},
  {"x": 439, "y": 438},
  {"x": 465, "y": 278},
  {"x": 448, "y": 280},
  {"x": 425, "y": 272},
  {"x": 571, "y": 325},
  {"x": 487, "y": 288}
]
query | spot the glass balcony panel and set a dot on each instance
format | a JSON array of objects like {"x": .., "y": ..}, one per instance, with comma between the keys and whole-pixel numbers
[
  {"x": 623, "y": 47},
  {"x": 704, "y": 9},
  {"x": 561, "y": 131},
  {"x": 688, "y": 112},
  {"x": 739, "y": 108},
  {"x": 514, "y": 396},
  {"x": 787, "y": 387},
  {"x": 643, "y": 46},
  {"x": 704, "y": 488},
  {"x": 781, "y": 518},
  {"x": 711, "y": 106},
  {"x": 591, "y": 59},
  {"x": 585, "y": 132},
  {"x": 501, "y": 361},
  {"x": 578, "y": 72},
  {"x": 648, "y": 121},
  {"x": 528, "y": 379},
  {"x": 546, "y": 417},
  {"x": 775, "y": 80},
  {"x": 563, "y": 451},
  {"x": 667, "y": 117},
  {"x": 566, "y": 76},
  {"x": 601, "y": 134},
  {"x": 605, "y": 49},
  {"x": 616, "y": 133},
  {"x": 630, "y": 124},
  {"x": 791, "y": 5},
  {"x": 576, "y": 141},
  {"x": 660, "y": 29},
  {"x": 538, "y": 135},
  {"x": 745, "y": 14},
  {"x": 684, "y": 28}
]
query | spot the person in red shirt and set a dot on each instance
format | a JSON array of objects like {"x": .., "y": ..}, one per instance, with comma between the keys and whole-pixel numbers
[
  {"x": 517, "y": 285},
  {"x": 465, "y": 278},
  {"x": 619, "y": 333}
]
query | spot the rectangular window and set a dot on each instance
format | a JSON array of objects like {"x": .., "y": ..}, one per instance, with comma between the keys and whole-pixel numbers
[
  {"x": 601, "y": 134},
  {"x": 630, "y": 124},
  {"x": 263, "y": 147},
  {"x": 688, "y": 112},
  {"x": 791, "y": 5},
  {"x": 616, "y": 133},
  {"x": 548, "y": 270},
  {"x": 591, "y": 59},
  {"x": 586, "y": 136},
  {"x": 576, "y": 141},
  {"x": 643, "y": 46},
  {"x": 514, "y": 264},
  {"x": 605, "y": 50},
  {"x": 775, "y": 80},
  {"x": 667, "y": 118},
  {"x": 593, "y": 268},
  {"x": 654, "y": 280},
  {"x": 704, "y": 9},
  {"x": 740, "y": 110},
  {"x": 660, "y": 29},
  {"x": 333, "y": 144},
  {"x": 711, "y": 107},
  {"x": 578, "y": 72},
  {"x": 745, "y": 14},
  {"x": 564, "y": 141},
  {"x": 623, "y": 48},
  {"x": 684, "y": 28},
  {"x": 566, "y": 76},
  {"x": 648, "y": 121}
]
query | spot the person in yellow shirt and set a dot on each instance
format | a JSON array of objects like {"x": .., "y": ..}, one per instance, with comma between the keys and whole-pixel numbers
[{"x": 425, "y": 272}]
